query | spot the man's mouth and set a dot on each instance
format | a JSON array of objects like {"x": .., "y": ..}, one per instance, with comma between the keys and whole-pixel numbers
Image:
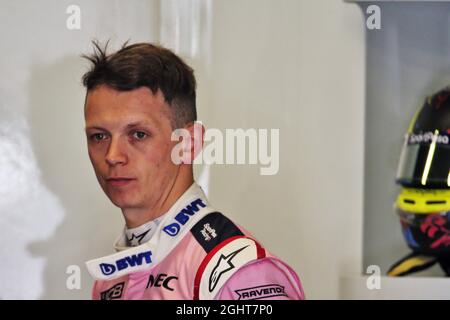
[{"x": 119, "y": 181}]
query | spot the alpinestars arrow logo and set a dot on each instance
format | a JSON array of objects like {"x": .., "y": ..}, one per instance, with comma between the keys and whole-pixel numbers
[
  {"x": 223, "y": 266},
  {"x": 136, "y": 240}
]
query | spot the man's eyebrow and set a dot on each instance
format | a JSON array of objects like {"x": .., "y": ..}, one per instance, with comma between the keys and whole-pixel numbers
[
  {"x": 128, "y": 126},
  {"x": 138, "y": 123},
  {"x": 94, "y": 127}
]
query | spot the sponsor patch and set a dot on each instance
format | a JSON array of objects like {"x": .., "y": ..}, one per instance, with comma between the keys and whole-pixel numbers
[
  {"x": 183, "y": 217},
  {"x": 126, "y": 262},
  {"x": 113, "y": 293},
  {"x": 213, "y": 229},
  {"x": 261, "y": 292},
  {"x": 161, "y": 280}
]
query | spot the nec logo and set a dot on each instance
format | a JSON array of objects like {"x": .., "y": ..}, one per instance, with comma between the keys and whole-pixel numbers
[
  {"x": 130, "y": 261},
  {"x": 161, "y": 280},
  {"x": 183, "y": 216}
]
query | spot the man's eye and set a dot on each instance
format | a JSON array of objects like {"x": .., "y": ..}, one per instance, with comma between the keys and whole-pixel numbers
[
  {"x": 98, "y": 137},
  {"x": 139, "y": 135}
]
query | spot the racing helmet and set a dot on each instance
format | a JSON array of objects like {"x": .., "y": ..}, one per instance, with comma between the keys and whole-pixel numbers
[
  {"x": 425, "y": 158},
  {"x": 423, "y": 204}
]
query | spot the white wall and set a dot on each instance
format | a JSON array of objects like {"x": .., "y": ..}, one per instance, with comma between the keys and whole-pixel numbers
[
  {"x": 293, "y": 65},
  {"x": 297, "y": 66},
  {"x": 52, "y": 212}
]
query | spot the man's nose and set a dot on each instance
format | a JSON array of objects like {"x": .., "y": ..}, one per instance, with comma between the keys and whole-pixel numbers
[{"x": 116, "y": 153}]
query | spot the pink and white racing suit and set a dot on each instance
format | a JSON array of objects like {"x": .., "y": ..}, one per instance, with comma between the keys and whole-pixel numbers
[{"x": 194, "y": 252}]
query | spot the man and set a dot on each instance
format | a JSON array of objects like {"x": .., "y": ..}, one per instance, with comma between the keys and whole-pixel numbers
[{"x": 174, "y": 244}]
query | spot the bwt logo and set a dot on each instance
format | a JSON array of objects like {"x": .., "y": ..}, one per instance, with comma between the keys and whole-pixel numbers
[
  {"x": 130, "y": 261},
  {"x": 183, "y": 216}
]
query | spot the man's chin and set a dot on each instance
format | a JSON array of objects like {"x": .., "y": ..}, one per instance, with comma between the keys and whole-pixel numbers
[{"x": 123, "y": 202}]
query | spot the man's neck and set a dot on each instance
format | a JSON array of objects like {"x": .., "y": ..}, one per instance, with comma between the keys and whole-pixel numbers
[{"x": 135, "y": 217}]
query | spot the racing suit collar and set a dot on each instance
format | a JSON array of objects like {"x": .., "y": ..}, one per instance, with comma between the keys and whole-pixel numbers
[
  {"x": 141, "y": 234},
  {"x": 122, "y": 242},
  {"x": 190, "y": 208}
]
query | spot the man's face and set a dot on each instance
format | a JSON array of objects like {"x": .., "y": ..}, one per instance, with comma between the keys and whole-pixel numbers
[{"x": 128, "y": 135}]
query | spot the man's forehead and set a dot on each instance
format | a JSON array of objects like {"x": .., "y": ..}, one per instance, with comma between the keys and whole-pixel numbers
[{"x": 106, "y": 106}]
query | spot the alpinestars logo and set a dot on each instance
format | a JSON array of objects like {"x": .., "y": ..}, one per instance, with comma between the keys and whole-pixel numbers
[
  {"x": 136, "y": 240},
  {"x": 124, "y": 263},
  {"x": 207, "y": 232},
  {"x": 114, "y": 292},
  {"x": 223, "y": 266}
]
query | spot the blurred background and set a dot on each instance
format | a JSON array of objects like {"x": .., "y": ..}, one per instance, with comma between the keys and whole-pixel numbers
[{"x": 341, "y": 95}]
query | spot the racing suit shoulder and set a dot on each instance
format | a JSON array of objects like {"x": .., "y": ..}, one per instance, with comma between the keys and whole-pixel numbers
[
  {"x": 268, "y": 278},
  {"x": 232, "y": 254}
]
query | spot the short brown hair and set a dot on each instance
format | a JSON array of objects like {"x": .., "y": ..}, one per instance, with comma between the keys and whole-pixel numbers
[{"x": 146, "y": 65}]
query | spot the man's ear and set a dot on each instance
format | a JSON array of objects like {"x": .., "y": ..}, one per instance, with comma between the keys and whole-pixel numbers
[{"x": 197, "y": 134}]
